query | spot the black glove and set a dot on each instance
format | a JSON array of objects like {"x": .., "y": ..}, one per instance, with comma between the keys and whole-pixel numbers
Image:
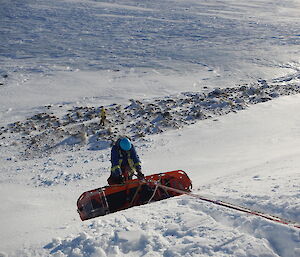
[
  {"x": 113, "y": 180},
  {"x": 120, "y": 180},
  {"x": 140, "y": 175}
]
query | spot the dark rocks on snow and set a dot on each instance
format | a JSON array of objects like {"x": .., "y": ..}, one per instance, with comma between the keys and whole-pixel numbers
[{"x": 45, "y": 132}]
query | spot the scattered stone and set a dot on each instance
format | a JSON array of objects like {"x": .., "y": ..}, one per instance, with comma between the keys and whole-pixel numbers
[{"x": 44, "y": 133}]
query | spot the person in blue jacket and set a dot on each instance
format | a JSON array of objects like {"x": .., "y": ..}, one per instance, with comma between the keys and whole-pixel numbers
[{"x": 124, "y": 162}]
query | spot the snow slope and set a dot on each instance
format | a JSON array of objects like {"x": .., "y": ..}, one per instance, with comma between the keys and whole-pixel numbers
[
  {"x": 248, "y": 158},
  {"x": 221, "y": 42},
  {"x": 59, "y": 55}
]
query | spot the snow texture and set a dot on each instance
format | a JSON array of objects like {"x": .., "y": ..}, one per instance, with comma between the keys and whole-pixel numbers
[{"x": 209, "y": 87}]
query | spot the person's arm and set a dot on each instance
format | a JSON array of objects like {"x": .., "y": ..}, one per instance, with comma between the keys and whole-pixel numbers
[
  {"x": 115, "y": 166},
  {"x": 135, "y": 158},
  {"x": 137, "y": 163}
]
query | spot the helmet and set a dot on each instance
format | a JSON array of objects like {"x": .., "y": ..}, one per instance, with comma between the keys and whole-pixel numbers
[{"x": 125, "y": 144}]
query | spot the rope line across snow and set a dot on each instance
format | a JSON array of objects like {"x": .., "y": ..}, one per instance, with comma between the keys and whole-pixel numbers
[{"x": 237, "y": 208}]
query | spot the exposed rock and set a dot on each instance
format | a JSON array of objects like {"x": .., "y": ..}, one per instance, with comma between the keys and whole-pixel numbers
[{"x": 45, "y": 132}]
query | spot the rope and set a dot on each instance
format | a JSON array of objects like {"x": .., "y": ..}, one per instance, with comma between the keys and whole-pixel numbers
[
  {"x": 236, "y": 207},
  {"x": 154, "y": 192},
  {"x": 135, "y": 194}
]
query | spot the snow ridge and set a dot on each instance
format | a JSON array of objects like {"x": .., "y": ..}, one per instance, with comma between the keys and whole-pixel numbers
[{"x": 46, "y": 133}]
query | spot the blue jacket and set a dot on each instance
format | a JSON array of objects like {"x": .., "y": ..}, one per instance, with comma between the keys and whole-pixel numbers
[{"x": 120, "y": 157}]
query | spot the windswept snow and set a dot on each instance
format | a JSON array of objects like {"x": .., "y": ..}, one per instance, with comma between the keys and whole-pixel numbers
[
  {"x": 209, "y": 87},
  {"x": 223, "y": 41},
  {"x": 253, "y": 156},
  {"x": 249, "y": 158}
]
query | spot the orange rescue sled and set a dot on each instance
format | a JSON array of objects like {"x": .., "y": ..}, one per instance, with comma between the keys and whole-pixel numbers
[{"x": 109, "y": 199}]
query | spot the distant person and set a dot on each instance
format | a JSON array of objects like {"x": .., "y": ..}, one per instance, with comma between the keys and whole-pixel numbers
[
  {"x": 102, "y": 116},
  {"x": 124, "y": 162}
]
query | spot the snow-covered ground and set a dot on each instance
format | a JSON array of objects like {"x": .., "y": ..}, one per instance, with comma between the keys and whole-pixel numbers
[
  {"x": 209, "y": 87},
  {"x": 250, "y": 158}
]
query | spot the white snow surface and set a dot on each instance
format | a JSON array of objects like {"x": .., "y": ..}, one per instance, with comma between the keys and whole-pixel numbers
[{"x": 227, "y": 72}]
